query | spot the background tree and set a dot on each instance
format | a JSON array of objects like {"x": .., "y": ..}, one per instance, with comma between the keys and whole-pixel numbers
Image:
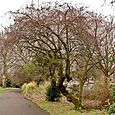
[{"x": 6, "y": 58}]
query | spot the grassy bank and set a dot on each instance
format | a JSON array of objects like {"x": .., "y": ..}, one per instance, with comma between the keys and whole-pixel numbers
[
  {"x": 2, "y": 90},
  {"x": 60, "y": 108}
]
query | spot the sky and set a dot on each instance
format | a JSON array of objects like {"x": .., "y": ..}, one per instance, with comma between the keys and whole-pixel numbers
[{"x": 12, "y": 5}]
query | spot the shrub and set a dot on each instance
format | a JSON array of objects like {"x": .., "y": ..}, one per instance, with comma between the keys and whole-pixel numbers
[
  {"x": 113, "y": 91},
  {"x": 29, "y": 88},
  {"x": 98, "y": 90},
  {"x": 23, "y": 88},
  {"x": 9, "y": 83},
  {"x": 53, "y": 94},
  {"x": 111, "y": 110}
]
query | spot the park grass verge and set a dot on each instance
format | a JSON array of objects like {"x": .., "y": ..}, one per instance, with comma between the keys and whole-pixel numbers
[
  {"x": 2, "y": 90},
  {"x": 62, "y": 107},
  {"x": 59, "y": 108}
]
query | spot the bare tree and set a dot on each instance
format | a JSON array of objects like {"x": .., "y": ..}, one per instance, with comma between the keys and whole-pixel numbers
[
  {"x": 63, "y": 33},
  {"x": 6, "y": 59}
]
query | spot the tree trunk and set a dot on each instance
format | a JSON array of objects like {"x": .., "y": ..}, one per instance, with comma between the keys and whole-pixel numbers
[
  {"x": 4, "y": 73},
  {"x": 67, "y": 71},
  {"x": 70, "y": 97},
  {"x": 81, "y": 84},
  {"x": 106, "y": 88},
  {"x": 4, "y": 81},
  {"x": 62, "y": 89}
]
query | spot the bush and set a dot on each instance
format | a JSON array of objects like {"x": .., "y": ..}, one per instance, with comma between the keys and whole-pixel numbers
[
  {"x": 113, "y": 91},
  {"x": 29, "y": 88},
  {"x": 111, "y": 110},
  {"x": 53, "y": 94},
  {"x": 23, "y": 88},
  {"x": 9, "y": 83}
]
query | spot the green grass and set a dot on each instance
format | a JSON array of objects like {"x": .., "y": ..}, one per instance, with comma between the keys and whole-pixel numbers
[
  {"x": 2, "y": 90},
  {"x": 58, "y": 108}
]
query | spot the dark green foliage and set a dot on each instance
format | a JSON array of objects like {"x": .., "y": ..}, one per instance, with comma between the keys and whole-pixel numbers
[
  {"x": 113, "y": 91},
  {"x": 53, "y": 94},
  {"x": 37, "y": 68},
  {"x": 9, "y": 83},
  {"x": 111, "y": 110}
]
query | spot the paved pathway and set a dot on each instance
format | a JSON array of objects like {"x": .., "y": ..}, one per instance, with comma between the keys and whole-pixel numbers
[{"x": 13, "y": 103}]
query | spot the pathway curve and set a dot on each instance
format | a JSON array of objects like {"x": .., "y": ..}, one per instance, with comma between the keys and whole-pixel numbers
[{"x": 13, "y": 103}]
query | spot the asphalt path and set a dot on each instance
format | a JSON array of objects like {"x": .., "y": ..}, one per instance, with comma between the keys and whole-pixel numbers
[{"x": 14, "y": 103}]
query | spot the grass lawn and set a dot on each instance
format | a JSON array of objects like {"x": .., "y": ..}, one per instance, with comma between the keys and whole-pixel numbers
[
  {"x": 2, "y": 90},
  {"x": 60, "y": 108}
]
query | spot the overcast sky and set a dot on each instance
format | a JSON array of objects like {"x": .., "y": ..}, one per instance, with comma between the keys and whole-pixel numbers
[{"x": 11, "y": 5}]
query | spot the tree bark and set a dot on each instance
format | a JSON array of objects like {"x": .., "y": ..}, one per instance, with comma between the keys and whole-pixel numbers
[
  {"x": 62, "y": 89},
  {"x": 4, "y": 73},
  {"x": 81, "y": 84},
  {"x": 4, "y": 81}
]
